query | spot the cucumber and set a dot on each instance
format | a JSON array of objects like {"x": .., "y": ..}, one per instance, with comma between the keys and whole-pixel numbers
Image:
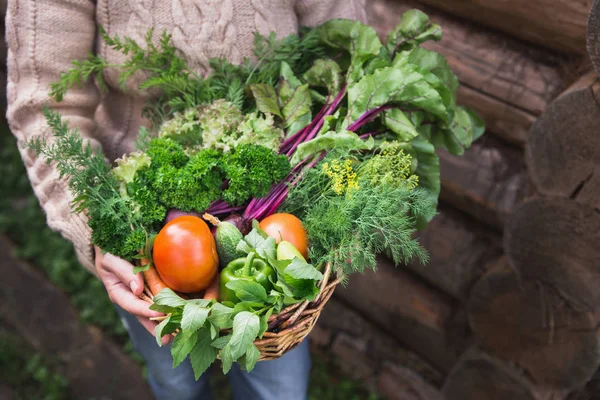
[{"x": 227, "y": 237}]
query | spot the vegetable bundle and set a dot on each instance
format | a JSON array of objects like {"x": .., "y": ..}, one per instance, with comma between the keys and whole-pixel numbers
[{"x": 332, "y": 127}]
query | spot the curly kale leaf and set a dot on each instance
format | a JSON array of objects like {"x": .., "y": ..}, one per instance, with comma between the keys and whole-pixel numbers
[{"x": 251, "y": 171}]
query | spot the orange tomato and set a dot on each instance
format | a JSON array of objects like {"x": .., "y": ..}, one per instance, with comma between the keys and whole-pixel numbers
[
  {"x": 286, "y": 227},
  {"x": 185, "y": 254}
]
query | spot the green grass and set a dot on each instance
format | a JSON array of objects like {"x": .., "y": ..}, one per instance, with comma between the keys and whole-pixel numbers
[
  {"x": 29, "y": 375},
  {"x": 22, "y": 219}
]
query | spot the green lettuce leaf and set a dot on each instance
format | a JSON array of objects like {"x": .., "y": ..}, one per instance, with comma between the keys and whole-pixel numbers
[{"x": 345, "y": 140}]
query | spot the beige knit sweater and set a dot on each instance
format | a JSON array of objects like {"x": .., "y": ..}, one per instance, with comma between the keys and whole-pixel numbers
[{"x": 44, "y": 36}]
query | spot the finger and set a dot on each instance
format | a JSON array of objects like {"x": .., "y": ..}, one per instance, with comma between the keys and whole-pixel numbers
[
  {"x": 122, "y": 296},
  {"x": 150, "y": 326},
  {"x": 124, "y": 271}
]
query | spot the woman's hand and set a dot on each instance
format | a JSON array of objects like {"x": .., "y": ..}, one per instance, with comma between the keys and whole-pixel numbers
[{"x": 124, "y": 288}]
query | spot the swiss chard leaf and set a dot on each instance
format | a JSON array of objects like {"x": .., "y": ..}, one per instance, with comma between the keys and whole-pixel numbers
[
  {"x": 266, "y": 98},
  {"x": 428, "y": 169},
  {"x": 325, "y": 73},
  {"x": 403, "y": 85},
  {"x": 414, "y": 28},
  {"x": 400, "y": 124},
  {"x": 344, "y": 140},
  {"x": 360, "y": 40}
]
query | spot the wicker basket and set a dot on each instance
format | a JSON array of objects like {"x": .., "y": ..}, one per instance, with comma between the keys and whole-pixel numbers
[{"x": 288, "y": 329}]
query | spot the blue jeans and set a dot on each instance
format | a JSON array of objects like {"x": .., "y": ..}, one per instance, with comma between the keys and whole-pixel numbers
[{"x": 286, "y": 377}]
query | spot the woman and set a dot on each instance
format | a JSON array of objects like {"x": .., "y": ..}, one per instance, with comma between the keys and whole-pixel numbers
[{"x": 44, "y": 36}]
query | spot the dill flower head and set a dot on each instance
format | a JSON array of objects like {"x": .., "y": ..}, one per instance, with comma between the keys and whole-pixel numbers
[
  {"x": 392, "y": 166},
  {"x": 342, "y": 175}
]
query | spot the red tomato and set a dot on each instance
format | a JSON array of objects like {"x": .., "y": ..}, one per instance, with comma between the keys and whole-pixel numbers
[
  {"x": 185, "y": 254},
  {"x": 286, "y": 227}
]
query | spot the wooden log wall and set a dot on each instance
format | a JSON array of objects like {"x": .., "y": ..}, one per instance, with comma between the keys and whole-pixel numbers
[{"x": 508, "y": 307}]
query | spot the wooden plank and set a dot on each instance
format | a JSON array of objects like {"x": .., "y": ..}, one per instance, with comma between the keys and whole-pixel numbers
[
  {"x": 406, "y": 308},
  {"x": 459, "y": 248},
  {"x": 487, "y": 182},
  {"x": 556, "y": 24}
]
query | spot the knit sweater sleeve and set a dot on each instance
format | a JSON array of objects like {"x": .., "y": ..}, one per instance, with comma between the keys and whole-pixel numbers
[
  {"x": 43, "y": 37},
  {"x": 315, "y": 12}
]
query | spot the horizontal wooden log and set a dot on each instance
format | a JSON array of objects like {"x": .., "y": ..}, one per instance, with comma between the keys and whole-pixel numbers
[
  {"x": 504, "y": 80},
  {"x": 459, "y": 248},
  {"x": 593, "y": 35},
  {"x": 480, "y": 376},
  {"x": 556, "y": 24},
  {"x": 405, "y": 308},
  {"x": 563, "y": 154},
  {"x": 556, "y": 242},
  {"x": 487, "y": 182},
  {"x": 530, "y": 324}
]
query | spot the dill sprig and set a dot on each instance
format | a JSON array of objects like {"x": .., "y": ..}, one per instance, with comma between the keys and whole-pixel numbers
[
  {"x": 349, "y": 226},
  {"x": 180, "y": 88},
  {"x": 94, "y": 187}
]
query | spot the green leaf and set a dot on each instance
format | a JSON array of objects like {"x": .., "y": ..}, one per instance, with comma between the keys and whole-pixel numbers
[
  {"x": 214, "y": 330},
  {"x": 203, "y": 354},
  {"x": 402, "y": 84},
  {"x": 248, "y": 291},
  {"x": 167, "y": 297},
  {"x": 428, "y": 168},
  {"x": 400, "y": 124},
  {"x": 265, "y": 246},
  {"x": 220, "y": 342},
  {"x": 160, "y": 330},
  {"x": 266, "y": 98},
  {"x": 182, "y": 345},
  {"x": 360, "y": 40},
  {"x": 264, "y": 322},
  {"x": 414, "y": 28},
  {"x": 245, "y": 329},
  {"x": 286, "y": 73},
  {"x": 477, "y": 123},
  {"x": 226, "y": 359},
  {"x": 300, "y": 123},
  {"x": 195, "y": 313},
  {"x": 344, "y": 140},
  {"x": 252, "y": 356},
  {"x": 246, "y": 306},
  {"x": 300, "y": 269},
  {"x": 295, "y": 102},
  {"x": 293, "y": 287},
  {"x": 325, "y": 73},
  {"x": 436, "y": 64},
  {"x": 221, "y": 316}
]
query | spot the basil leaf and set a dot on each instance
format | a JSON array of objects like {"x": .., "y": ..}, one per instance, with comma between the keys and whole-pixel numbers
[
  {"x": 221, "y": 316},
  {"x": 300, "y": 269},
  {"x": 202, "y": 354},
  {"x": 219, "y": 343},
  {"x": 167, "y": 297},
  {"x": 182, "y": 345},
  {"x": 245, "y": 330},
  {"x": 248, "y": 291},
  {"x": 264, "y": 322},
  {"x": 194, "y": 315},
  {"x": 252, "y": 355}
]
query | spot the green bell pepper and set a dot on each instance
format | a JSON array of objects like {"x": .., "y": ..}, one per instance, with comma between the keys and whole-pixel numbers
[{"x": 246, "y": 268}]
